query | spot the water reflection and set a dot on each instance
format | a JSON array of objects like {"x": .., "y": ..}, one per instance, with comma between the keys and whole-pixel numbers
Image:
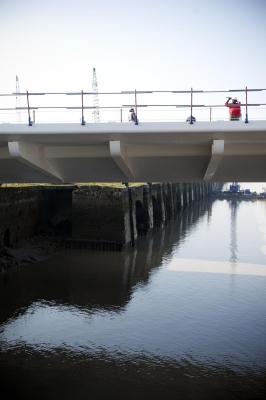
[
  {"x": 233, "y": 204},
  {"x": 95, "y": 279},
  {"x": 116, "y": 325},
  {"x": 216, "y": 267}
]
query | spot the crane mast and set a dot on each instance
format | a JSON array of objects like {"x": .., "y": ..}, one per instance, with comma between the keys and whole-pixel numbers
[
  {"x": 18, "y": 100},
  {"x": 95, "y": 113}
]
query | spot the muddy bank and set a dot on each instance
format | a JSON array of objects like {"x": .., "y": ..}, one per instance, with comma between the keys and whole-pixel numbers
[
  {"x": 36, "y": 248},
  {"x": 29, "y": 211},
  {"x": 33, "y": 223}
]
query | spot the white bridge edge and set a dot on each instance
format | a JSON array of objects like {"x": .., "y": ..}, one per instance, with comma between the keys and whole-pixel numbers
[{"x": 217, "y": 155}]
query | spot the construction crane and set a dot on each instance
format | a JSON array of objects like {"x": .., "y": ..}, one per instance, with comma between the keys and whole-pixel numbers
[
  {"x": 95, "y": 113},
  {"x": 18, "y": 101}
]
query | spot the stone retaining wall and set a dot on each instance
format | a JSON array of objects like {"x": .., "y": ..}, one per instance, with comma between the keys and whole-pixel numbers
[
  {"x": 99, "y": 215},
  {"x": 27, "y": 211}
]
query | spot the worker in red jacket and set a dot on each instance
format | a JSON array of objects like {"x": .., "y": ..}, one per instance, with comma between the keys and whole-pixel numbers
[{"x": 234, "y": 109}]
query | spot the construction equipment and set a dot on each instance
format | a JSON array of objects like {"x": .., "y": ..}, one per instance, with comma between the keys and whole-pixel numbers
[{"x": 235, "y": 187}]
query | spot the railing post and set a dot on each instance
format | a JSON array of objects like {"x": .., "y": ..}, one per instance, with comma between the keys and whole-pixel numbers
[
  {"x": 246, "y": 120},
  {"x": 30, "y": 122},
  {"x": 191, "y": 122},
  {"x": 121, "y": 115},
  {"x": 210, "y": 113},
  {"x": 137, "y": 121},
  {"x": 83, "y": 122}
]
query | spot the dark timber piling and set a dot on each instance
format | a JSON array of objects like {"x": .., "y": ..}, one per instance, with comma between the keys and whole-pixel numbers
[
  {"x": 185, "y": 195},
  {"x": 143, "y": 206},
  {"x": 158, "y": 205},
  {"x": 190, "y": 194},
  {"x": 169, "y": 201},
  {"x": 179, "y": 197}
]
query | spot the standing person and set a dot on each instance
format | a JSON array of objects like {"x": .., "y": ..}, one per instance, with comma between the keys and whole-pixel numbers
[
  {"x": 131, "y": 115},
  {"x": 234, "y": 109}
]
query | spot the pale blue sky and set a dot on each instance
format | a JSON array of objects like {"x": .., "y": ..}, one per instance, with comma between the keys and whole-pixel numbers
[{"x": 53, "y": 45}]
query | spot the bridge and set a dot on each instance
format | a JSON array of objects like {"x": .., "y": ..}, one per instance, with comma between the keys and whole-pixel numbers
[
  {"x": 219, "y": 151},
  {"x": 210, "y": 151}
]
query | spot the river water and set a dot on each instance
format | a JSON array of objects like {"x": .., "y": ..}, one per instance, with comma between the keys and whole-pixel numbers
[{"x": 181, "y": 316}]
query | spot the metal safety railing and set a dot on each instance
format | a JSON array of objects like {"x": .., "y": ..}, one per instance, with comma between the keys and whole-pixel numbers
[{"x": 164, "y": 110}]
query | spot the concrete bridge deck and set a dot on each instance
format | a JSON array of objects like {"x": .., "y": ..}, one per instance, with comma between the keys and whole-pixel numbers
[{"x": 217, "y": 151}]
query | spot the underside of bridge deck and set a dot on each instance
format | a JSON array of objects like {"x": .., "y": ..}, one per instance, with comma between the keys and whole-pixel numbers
[{"x": 150, "y": 152}]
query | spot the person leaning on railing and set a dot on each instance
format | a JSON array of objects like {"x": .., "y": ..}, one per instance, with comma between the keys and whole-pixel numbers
[{"x": 234, "y": 109}]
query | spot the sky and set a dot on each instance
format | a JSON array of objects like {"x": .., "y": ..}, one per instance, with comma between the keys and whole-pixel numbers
[{"x": 53, "y": 45}]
